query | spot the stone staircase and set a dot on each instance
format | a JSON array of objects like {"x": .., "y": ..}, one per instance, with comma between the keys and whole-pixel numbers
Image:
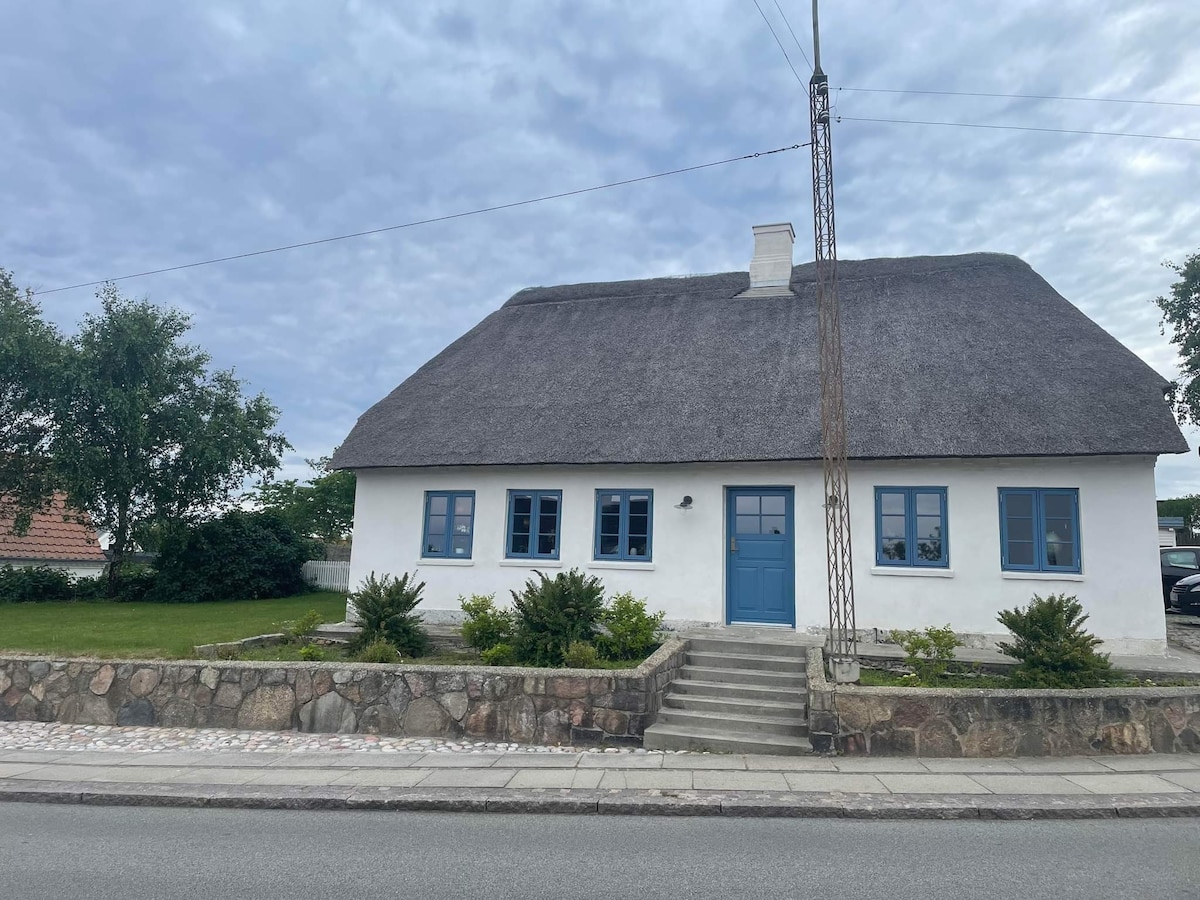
[{"x": 736, "y": 695}]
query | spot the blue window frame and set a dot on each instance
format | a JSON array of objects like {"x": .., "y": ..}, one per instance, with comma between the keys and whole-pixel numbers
[
  {"x": 449, "y": 524},
  {"x": 533, "y": 524},
  {"x": 910, "y": 527},
  {"x": 1039, "y": 530},
  {"x": 624, "y": 525}
]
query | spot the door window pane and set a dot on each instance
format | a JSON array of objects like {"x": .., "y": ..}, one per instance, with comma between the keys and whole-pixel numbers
[
  {"x": 774, "y": 505},
  {"x": 746, "y": 505},
  {"x": 746, "y": 524},
  {"x": 774, "y": 525}
]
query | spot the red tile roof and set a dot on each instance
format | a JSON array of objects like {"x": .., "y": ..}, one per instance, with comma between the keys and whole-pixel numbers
[{"x": 50, "y": 538}]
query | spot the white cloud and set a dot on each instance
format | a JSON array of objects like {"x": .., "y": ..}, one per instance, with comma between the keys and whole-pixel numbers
[{"x": 197, "y": 132}]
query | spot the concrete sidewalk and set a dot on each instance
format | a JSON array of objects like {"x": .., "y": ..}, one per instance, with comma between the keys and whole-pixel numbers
[{"x": 614, "y": 783}]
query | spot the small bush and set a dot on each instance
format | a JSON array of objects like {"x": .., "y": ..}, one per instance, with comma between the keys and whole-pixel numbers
[
  {"x": 499, "y": 655},
  {"x": 378, "y": 651},
  {"x": 385, "y": 612},
  {"x": 485, "y": 626},
  {"x": 581, "y": 655},
  {"x": 134, "y": 586},
  {"x": 553, "y": 612},
  {"x": 303, "y": 627},
  {"x": 928, "y": 653},
  {"x": 1053, "y": 648},
  {"x": 312, "y": 653},
  {"x": 240, "y": 556},
  {"x": 35, "y": 584},
  {"x": 627, "y": 631}
]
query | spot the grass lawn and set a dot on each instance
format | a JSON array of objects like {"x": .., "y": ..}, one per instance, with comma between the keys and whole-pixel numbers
[{"x": 138, "y": 630}]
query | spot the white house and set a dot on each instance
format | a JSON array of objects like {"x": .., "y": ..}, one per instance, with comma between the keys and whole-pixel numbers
[{"x": 664, "y": 434}]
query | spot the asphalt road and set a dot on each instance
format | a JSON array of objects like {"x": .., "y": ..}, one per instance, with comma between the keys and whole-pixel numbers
[{"x": 105, "y": 853}]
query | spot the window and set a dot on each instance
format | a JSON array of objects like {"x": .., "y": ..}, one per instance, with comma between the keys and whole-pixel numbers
[
  {"x": 1182, "y": 559},
  {"x": 1039, "y": 530},
  {"x": 910, "y": 527},
  {"x": 533, "y": 518},
  {"x": 623, "y": 525},
  {"x": 449, "y": 524}
]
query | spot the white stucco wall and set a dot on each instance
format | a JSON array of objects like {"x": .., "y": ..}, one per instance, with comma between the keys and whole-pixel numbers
[
  {"x": 74, "y": 569},
  {"x": 1119, "y": 587}
]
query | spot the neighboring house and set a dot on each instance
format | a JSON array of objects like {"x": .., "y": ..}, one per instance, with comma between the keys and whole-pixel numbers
[
  {"x": 1169, "y": 528},
  {"x": 55, "y": 538},
  {"x": 665, "y": 435}
]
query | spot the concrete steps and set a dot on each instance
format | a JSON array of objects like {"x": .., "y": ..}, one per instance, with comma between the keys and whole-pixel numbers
[{"x": 736, "y": 696}]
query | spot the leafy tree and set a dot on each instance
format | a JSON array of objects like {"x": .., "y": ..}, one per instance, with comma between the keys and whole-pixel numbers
[
  {"x": 145, "y": 435},
  {"x": 30, "y": 358},
  {"x": 322, "y": 507},
  {"x": 1186, "y": 507},
  {"x": 1181, "y": 311}
]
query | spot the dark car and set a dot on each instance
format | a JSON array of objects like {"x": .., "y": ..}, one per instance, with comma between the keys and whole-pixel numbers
[
  {"x": 1185, "y": 596},
  {"x": 1178, "y": 563}
]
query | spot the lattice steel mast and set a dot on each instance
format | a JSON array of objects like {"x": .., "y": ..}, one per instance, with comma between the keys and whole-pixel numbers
[{"x": 843, "y": 648}]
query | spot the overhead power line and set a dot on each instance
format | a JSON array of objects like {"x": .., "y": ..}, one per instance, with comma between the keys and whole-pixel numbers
[
  {"x": 782, "y": 49},
  {"x": 1019, "y": 96},
  {"x": 799, "y": 46},
  {"x": 1156, "y": 137},
  {"x": 429, "y": 221}
]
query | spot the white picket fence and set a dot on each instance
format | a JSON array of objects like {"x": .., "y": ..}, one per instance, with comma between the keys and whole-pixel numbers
[{"x": 329, "y": 576}]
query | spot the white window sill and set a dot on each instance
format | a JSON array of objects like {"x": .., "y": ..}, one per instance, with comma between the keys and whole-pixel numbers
[
  {"x": 912, "y": 571},
  {"x": 532, "y": 563},
  {"x": 621, "y": 564},
  {"x": 448, "y": 561},
  {"x": 1041, "y": 576}
]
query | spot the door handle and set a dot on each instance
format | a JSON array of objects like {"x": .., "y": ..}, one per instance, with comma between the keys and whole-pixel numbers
[{"x": 733, "y": 545}]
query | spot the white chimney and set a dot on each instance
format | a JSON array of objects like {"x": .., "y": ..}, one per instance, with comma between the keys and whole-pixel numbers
[{"x": 771, "y": 268}]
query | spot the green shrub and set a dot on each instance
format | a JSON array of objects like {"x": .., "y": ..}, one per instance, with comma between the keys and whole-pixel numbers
[
  {"x": 581, "y": 655},
  {"x": 35, "y": 584},
  {"x": 485, "y": 626},
  {"x": 627, "y": 631},
  {"x": 90, "y": 588},
  {"x": 553, "y": 612},
  {"x": 928, "y": 653},
  {"x": 385, "y": 612},
  {"x": 1053, "y": 648},
  {"x": 312, "y": 653},
  {"x": 134, "y": 586},
  {"x": 304, "y": 626},
  {"x": 499, "y": 655},
  {"x": 240, "y": 556},
  {"x": 378, "y": 651}
]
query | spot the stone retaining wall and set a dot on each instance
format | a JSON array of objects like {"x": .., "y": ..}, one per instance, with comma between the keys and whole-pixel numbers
[
  {"x": 879, "y": 721},
  {"x": 550, "y": 706}
]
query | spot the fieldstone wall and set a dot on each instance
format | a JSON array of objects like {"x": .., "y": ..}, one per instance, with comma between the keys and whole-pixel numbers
[
  {"x": 550, "y": 706},
  {"x": 880, "y": 721}
]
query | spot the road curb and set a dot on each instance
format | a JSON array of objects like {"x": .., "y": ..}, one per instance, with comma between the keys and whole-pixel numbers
[{"x": 744, "y": 804}]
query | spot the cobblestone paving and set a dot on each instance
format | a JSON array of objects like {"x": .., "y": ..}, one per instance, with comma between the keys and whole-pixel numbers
[
  {"x": 1184, "y": 632},
  {"x": 61, "y": 736}
]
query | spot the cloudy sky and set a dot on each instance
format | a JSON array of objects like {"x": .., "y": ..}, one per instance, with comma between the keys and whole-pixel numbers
[{"x": 145, "y": 134}]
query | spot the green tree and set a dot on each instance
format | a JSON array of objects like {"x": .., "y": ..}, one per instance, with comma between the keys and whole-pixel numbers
[
  {"x": 322, "y": 507},
  {"x": 1181, "y": 311},
  {"x": 30, "y": 359},
  {"x": 1187, "y": 507},
  {"x": 145, "y": 435}
]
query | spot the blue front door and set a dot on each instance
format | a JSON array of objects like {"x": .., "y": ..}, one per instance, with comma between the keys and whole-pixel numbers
[{"x": 760, "y": 583}]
